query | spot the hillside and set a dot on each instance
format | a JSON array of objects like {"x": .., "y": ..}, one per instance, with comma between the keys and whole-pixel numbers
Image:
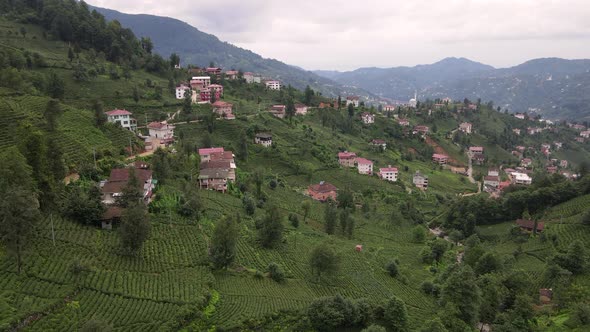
[
  {"x": 199, "y": 48},
  {"x": 260, "y": 254},
  {"x": 556, "y": 87}
]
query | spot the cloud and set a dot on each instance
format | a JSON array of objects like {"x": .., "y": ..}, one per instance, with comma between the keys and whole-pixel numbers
[{"x": 333, "y": 34}]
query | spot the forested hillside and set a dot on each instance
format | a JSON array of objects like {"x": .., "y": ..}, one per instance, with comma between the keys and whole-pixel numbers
[{"x": 261, "y": 254}]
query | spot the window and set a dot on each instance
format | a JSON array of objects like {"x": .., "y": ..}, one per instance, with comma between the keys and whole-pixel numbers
[{"x": 125, "y": 122}]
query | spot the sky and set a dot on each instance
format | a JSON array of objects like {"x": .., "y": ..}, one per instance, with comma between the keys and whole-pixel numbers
[{"x": 346, "y": 35}]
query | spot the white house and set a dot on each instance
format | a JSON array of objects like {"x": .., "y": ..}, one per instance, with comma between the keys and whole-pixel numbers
[
  {"x": 368, "y": 118},
  {"x": 521, "y": 178},
  {"x": 251, "y": 78},
  {"x": 300, "y": 109},
  {"x": 263, "y": 139},
  {"x": 388, "y": 173},
  {"x": 122, "y": 117},
  {"x": 273, "y": 85},
  {"x": 181, "y": 90},
  {"x": 354, "y": 100},
  {"x": 420, "y": 180},
  {"x": 161, "y": 130},
  {"x": 492, "y": 181},
  {"x": 466, "y": 127},
  {"x": 364, "y": 166}
]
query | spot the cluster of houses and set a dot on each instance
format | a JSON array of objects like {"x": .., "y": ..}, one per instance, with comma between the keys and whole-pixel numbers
[
  {"x": 476, "y": 154},
  {"x": 365, "y": 166},
  {"x": 159, "y": 133},
  {"x": 217, "y": 169},
  {"x": 113, "y": 188}
]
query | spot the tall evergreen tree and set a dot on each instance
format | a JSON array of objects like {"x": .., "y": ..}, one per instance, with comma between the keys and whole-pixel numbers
[
  {"x": 224, "y": 242},
  {"x": 100, "y": 118},
  {"x": 55, "y": 86},
  {"x": 51, "y": 113},
  {"x": 309, "y": 93},
  {"x": 187, "y": 103},
  {"x": 330, "y": 217},
  {"x": 135, "y": 227},
  {"x": 271, "y": 228}
]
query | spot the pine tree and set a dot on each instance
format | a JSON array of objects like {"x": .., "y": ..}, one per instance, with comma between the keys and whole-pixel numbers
[
  {"x": 270, "y": 232},
  {"x": 224, "y": 242},
  {"x": 51, "y": 113},
  {"x": 309, "y": 93},
  {"x": 55, "y": 86},
  {"x": 187, "y": 103},
  {"x": 100, "y": 117},
  {"x": 330, "y": 218}
]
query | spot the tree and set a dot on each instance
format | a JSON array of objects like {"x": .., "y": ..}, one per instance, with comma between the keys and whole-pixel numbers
[
  {"x": 83, "y": 205},
  {"x": 19, "y": 206},
  {"x": 70, "y": 54},
  {"x": 147, "y": 44},
  {"x": 487, "y": 263},
  {"x": 392, "y": 268},
  {"x": 55, "y": 161},
  {"x": 586, "y": 218},
  {"x": 161, "y": 165},
  {"x": 80, "y": 73},
  {"x": 306, "y": 207},
  {"x": 135, "y": 94},
  {"x": 258, "y": 178},
  {"x": 55, "y": 86},
  {"x": 100, "y": 117},
  {"x": 290, "y": 109},
  {"x": 270, "y": 232},
  {"x": 434, "y": 325},
  {"x": 418, "y": 234},
  {"x": 374, "y": 328},
  {"x": 224, "y": 242},
  {"x": 323, "y": 259},
  {"x": 395, "y": 314},
  {"x": 243, "y": 147},
  {"x": 135, "y": 227},
  {"x": 131, "y": 193},
  {"x": 95, "y": 325},
  {"x": 438, "y": 249},
  {"x": 51, "y": 113},
  {"x": 330, "y": 217},
  {"x": 23, "y": 31},
  {"x": 309, "y": 93},
  {"x": 275, "y": 272},
  {"x": 174, "y": 60},
  {"x": 187, "y": 103},
  {"x": 350, "y": 110},
  {"x": 461, "y": 290},
  {"x": 191, "y": 204}
]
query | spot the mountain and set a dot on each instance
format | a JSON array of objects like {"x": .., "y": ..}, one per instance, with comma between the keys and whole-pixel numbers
[
  {"x": 556, "y": 88},
  {"x": 199, "y": 48}
]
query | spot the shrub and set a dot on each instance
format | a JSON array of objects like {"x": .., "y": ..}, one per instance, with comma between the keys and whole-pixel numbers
[
  {"x": 276, "y": 272},
  {"x": 294, "y": 220},
  {"x": 392, "y": 268}
]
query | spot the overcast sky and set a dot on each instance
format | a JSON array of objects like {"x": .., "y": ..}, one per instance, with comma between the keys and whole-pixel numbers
[{"x": 345, "y": 35}]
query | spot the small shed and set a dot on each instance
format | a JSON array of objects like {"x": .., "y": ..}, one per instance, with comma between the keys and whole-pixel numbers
[
  {"x": 111, "y": 215},
  {"x": 359, "y": 247},
  {"x": 545, "y": 295}
]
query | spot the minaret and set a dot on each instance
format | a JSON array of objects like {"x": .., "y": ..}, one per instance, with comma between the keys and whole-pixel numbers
[{"x": 416, "y": 95}]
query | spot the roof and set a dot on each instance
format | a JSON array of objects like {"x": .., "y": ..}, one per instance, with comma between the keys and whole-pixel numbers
[
  {"x": 378, "y": 141},
  {"x": 141, "y": 164},
  {"x": 156, "y": 125},
  {"x": 352, "y": 98},
  {"x": 220, "y": 103},
  {"x": 278, "y": 107},
  {"x": 388, "y": 169},
  {"x": 215, "y": 86},
  {"x": 216, "y": 164},
  {"x": 264, "y": 135},
  {"x": 440, "y": 156},
  {"x": 113, "y": 212},
  {"x": 208, "y": 151},
  {"x": 492, "y": 178},
  {"x": 363, "y": 161},
  {"x": 322, "y": 187},
  {"x": 472, "y": 148},
  {"x": 300, "y": 105},
  {"x": 346, "y": 155},
  {"x": 530, "y": 224},
  {"x": 118, "y": 112},
  {"x": 122, "y": 175},
  {"x": 213, "y": 173},
  {"x": 224, "y": 155},
  {"x": 201, "y": 78},
  {"x": 231, "y": 72}
]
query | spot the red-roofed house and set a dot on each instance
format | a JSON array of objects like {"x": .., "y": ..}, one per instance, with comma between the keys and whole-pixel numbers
[
  {"x": 440, "y": 159},
  {"x": 526, "y": 162},
  {"x": 364, "y": 166},
  {"x": 123, "y": 118},
  {"x": 300, "y": 109},
  {"x": 205, "y": 94},
  {"x": 388, "y": 173},
  {"x": 181, "y": 90},
  {"x": 218, "y": 89},
  {"x": 389, "y": 108},
  {"x": 379, "y": 143},
  {"x": 322, "y": 191},
  {"x": 200, "y": 82},
  {"x": 346, "y": 158},
  {"x": 585, "y": 134},
  {"x": 205, "y": 153},
  {"x": 161, "y": 130},
  {"x": 231, "y": 74},
  {"x": 224, "y": 109},
  {"x": 492, "y": 181},
  {"x": 213, "y": 71},
  {"x": 529, "y": 225},
  {"x": 421, "y": 129},
  {"x": 279, "y": 111},
  {"x": 118, "y": 180},
  {"x": 403, "y": 122},
  {"x": 354, "y": 100}
]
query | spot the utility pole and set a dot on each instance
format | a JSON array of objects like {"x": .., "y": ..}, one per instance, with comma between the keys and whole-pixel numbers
[
  {"x": 130, "y": 148},
  {"x": 52, "y": 229},
  {"x": 94, "y": 154}
]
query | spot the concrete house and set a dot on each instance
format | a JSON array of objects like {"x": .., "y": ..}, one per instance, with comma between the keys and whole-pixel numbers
[
  {"x": 231, "y": 74},
  {"x": 161, "y": 130},
  {"x": 347, "y": 159},
  {"x": 118, "y": 179},
  {"x": 224, "y": 109},
  {"x": 388, "y": 173},
  {"x": 273, "y": 85},
  {"x": 280, "y": 111},
  {"x": 322, "y": 191},
  {"x": 354, "y": 100},
  {"x": 200, "y": 82},
  {"x": 368, "y": 118},
  {"x": 181, "y": 91},
  {"x": 205, "y": 153},
  {"x": 379, "y": 143},
  {"x": 441, "y": 159},
  {"x": 466, "y": 127},
  {"x": 264, "y": 139},
  {"x": 300, "y": 109},
  {"x": 123, "y": 118},
  {"x": 364, "y": 166},
  {"x": 420, "y": 180}
]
